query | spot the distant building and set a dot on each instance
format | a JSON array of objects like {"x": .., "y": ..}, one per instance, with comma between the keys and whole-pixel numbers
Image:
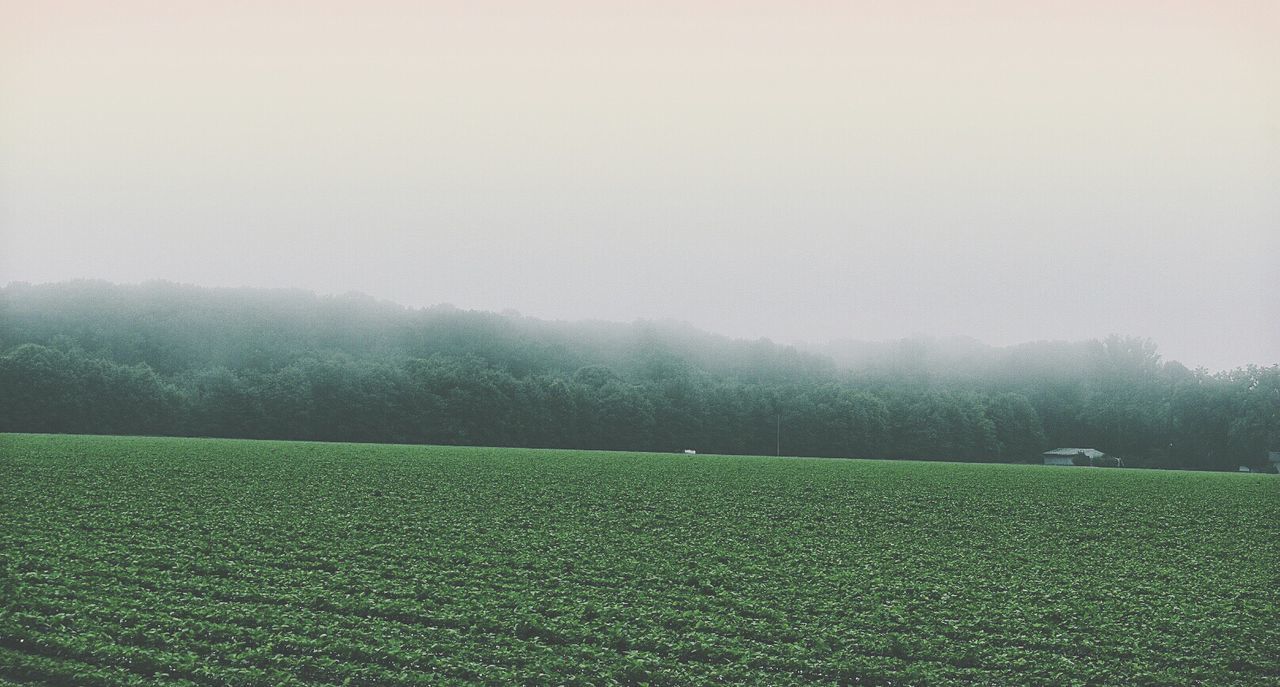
[
  {"x": 1067, "y": 456},
  {"x": 1245, "y": 468},
  {"x": 1273, "y": 460}
]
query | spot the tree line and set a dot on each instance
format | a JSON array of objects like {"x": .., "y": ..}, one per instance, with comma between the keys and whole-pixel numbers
[{"x": 160, "y": 358}]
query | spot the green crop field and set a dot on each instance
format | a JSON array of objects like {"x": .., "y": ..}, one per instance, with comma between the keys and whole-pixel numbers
[{"x": 213, "y": 562}]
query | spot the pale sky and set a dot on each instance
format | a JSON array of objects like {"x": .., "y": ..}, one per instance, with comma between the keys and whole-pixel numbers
[{"x": 1009, "y": 171}]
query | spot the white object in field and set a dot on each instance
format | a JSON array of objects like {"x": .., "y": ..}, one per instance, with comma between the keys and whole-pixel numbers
[
  {"x": 1066, "y": 456},
  {"x": 690, "y": 451}
]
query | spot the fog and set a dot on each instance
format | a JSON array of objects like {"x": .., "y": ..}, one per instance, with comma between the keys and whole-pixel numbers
[{"x": 802, "y": 172}]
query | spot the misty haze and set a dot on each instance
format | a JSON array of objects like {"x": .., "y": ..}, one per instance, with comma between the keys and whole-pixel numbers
[
  {"x": 688, "y": 343},
  {"x": 802, "y": 174}
]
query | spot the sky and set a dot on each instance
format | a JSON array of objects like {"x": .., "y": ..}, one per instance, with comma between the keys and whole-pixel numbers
[{"x": 802, "y": 171}]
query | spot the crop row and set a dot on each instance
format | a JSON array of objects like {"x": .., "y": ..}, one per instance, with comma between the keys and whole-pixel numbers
[{"x": 157, "y": 561}]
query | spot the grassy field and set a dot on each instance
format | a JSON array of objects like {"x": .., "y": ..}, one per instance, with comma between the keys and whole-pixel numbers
[{"x": 179, "y": 561}]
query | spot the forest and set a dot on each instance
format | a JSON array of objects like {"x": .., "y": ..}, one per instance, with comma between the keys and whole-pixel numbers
[{"x": 160, "y": 358}]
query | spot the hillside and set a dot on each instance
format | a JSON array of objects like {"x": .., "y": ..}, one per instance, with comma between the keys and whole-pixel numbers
[{"x": 162, "y": 358}]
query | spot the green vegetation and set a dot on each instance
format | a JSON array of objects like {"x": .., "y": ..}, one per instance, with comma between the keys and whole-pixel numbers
[
  {"x": 96, "y": 358},
  {"x": 214, "y": 562}
]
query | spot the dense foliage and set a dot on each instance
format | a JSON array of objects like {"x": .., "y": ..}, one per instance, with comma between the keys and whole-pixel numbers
[
  {"x": 160, "y": 358},
  {"x": 149, "y": 561}
]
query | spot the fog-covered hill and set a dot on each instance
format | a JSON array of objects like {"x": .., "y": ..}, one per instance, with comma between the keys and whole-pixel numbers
[{"x": 163, "y": 358}]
